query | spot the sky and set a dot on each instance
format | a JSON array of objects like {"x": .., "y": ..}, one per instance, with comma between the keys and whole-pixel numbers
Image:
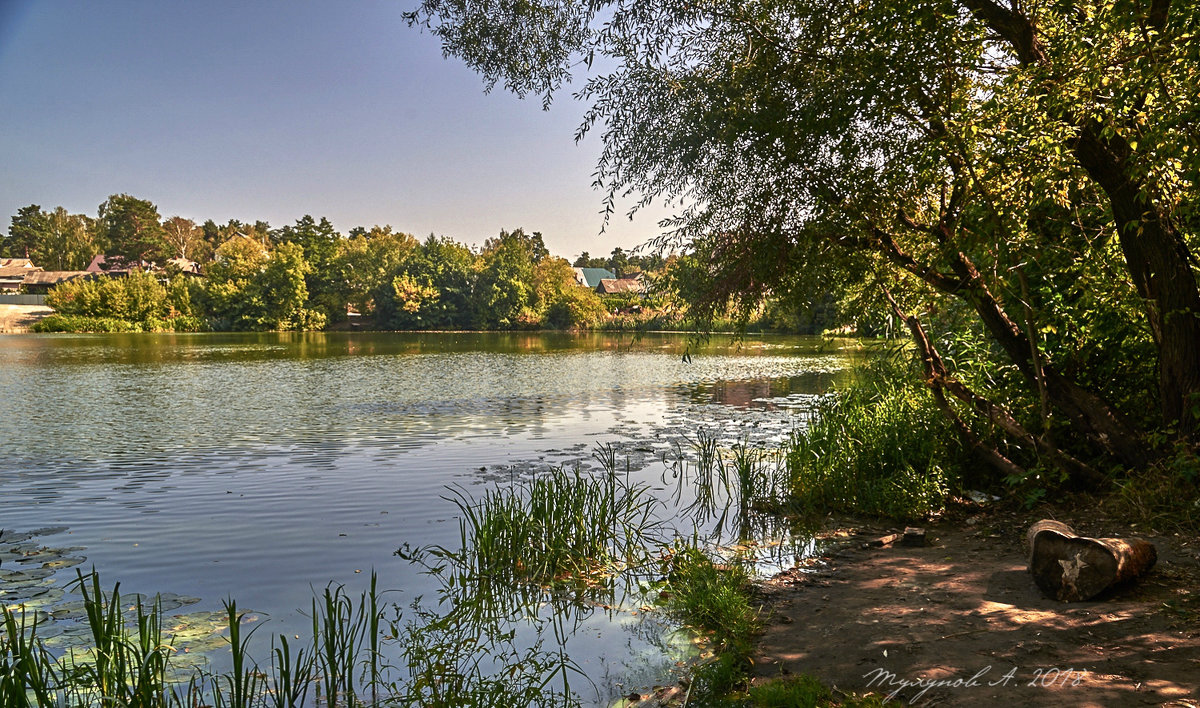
[{"x": 271, "y": 110}]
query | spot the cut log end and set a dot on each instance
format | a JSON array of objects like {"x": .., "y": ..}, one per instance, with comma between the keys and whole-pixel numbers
[{"x": 1073, "y": 568}]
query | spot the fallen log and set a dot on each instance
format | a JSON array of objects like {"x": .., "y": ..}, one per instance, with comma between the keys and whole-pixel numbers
[{"x": 1072, "y": 568}]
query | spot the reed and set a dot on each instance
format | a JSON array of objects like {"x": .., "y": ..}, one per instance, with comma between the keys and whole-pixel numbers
[
  {"x": 28, "y": 674},
  {"x": 129, "y": 660},
  {"x": 533, "y": 543}
]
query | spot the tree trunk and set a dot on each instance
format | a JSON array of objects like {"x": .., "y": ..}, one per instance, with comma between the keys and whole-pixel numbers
[
  {"x": 1156, "y": 254},
  {"x": 1159, "y": 264},
  {"x": 1073, "y": 568}
]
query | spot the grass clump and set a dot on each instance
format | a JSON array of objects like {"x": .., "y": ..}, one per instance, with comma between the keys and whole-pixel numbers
[
  {"x": 712, "y": 599},
  {"x": 880, "y": 448},
  {"x": 1163, "y": 495},
  {"x": 562, "y": 527},
  {"x": 715, "y": 602},
  {"x": 803, "y": 692}
]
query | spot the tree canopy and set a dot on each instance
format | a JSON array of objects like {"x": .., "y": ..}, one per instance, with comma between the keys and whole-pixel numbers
[
  {"x": 132, "y": 228},
  {"x": 1015, "y": 181}
]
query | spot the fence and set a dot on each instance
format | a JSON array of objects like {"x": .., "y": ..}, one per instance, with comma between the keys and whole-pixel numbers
[{"x": 16, "y": 299}]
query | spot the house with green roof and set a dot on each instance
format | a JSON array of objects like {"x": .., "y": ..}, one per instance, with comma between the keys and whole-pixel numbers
[{"x": 591, "y": 277}]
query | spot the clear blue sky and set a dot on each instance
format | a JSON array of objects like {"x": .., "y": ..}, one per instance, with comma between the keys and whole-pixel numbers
[{"x": 272, "y": 110}]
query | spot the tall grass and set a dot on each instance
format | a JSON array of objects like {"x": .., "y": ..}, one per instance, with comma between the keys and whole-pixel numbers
[
  {"x": 129, "y": 660},
  {"x": 520, "y": 546},
  {"x": 879, "y": 448},
  {"x": 551, "y": 544},
  {"x": 739, "y": 490}
]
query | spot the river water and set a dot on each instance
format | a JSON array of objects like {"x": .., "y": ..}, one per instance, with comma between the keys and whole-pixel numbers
[{"x": 264, "y": 466}]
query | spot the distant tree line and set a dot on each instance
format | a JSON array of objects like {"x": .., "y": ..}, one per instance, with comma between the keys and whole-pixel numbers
[
  {"x": 307, "y": 275},
  {"x": 301, "y": 276}
]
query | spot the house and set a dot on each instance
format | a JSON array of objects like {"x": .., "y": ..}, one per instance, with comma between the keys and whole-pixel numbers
[
  {"x": 614, "y": 286},
  {"x": 591, "y": 277},
  {"x": 116, "y": 265},
  {"x": 11, "y": 277},
  {"x": 43, "y": 281},
  {"x": 185, "y": 266},
  {"x": 13, "y": 271}
]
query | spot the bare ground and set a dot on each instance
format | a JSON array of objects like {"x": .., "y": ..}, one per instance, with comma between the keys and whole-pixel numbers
[
  {"x": 18, "y": 318},
  {"x": 965, "y": 609}
]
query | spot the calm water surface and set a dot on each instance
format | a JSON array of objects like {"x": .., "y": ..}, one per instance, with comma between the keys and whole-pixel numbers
[{"x": 261, "y": 466}]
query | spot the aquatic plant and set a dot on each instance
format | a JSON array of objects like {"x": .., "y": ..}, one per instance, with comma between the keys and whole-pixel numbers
[
  {"x": 562, "y": 528},
  {"x": 737, "y": 491},
  {"x": 129, "y": 660}
]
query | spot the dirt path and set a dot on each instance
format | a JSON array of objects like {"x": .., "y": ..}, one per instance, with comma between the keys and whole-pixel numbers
[
  {"x": 964, "y": 608},
  {"x": 17, "y": 318}
]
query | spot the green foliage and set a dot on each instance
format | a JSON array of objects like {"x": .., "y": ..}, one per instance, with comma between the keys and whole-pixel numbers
[
  {"x": 318, "y": 247},
  {"x": 715, "y": 602},
  {"x": 132, "y": 228},
  {"x": 448, "y": 663},
  {"x": 791, "y": 692},
  {"x": 623, "y": 263},
  {"x": 441, "y": 266},
  {"x": 252, "y": 289},
  {"x": 25, "y": 232},
  {"x": 712, "y": 600},
  {"x": 83, "y": 323},
  {"x": 881, "y": 448},
  {"x": 575, "y": 307},
  {"x": 136, "y": 297},
  {"x": 366, "y": 262},
  {"x": 129, "y": 662},
  {"x": 563, "y": 527},
  {"x": 138, "y": 302},
  {"x": 558, "y": 301},
  {"x": 505, "y": 282},
  {"x": 1164, "y": 496},
  {"x": 54, "y": 240}
]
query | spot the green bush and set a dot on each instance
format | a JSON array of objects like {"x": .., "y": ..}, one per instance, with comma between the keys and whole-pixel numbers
[
  {"x": 881, "y": 447},
  {"x": 81, "y": 323},
  {"x": 135, "y": 297},
  {"x": 576, "y": 307}
]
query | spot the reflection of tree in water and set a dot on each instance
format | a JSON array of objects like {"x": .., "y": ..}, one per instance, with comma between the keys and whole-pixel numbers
[{"x": 762, "y": 393}]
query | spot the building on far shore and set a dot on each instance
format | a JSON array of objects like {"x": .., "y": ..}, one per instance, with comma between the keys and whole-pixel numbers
[
  {"x": 614, "y": 286},
  {"x": 591, "y": 277},
  {"x": 41, "y": 282},
  {"x": 11, "y": 278}
]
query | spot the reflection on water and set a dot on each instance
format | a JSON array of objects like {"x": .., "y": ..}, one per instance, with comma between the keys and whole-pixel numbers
[{"x": 263, "y": 465}]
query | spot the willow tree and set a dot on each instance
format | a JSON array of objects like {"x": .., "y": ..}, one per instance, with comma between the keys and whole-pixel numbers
[{"x": 1030, "y": 164}]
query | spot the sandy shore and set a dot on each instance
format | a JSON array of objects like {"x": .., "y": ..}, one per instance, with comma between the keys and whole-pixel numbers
[
  {"x": 18, "y": 318},
  {"x": 963, "y": 611}
]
